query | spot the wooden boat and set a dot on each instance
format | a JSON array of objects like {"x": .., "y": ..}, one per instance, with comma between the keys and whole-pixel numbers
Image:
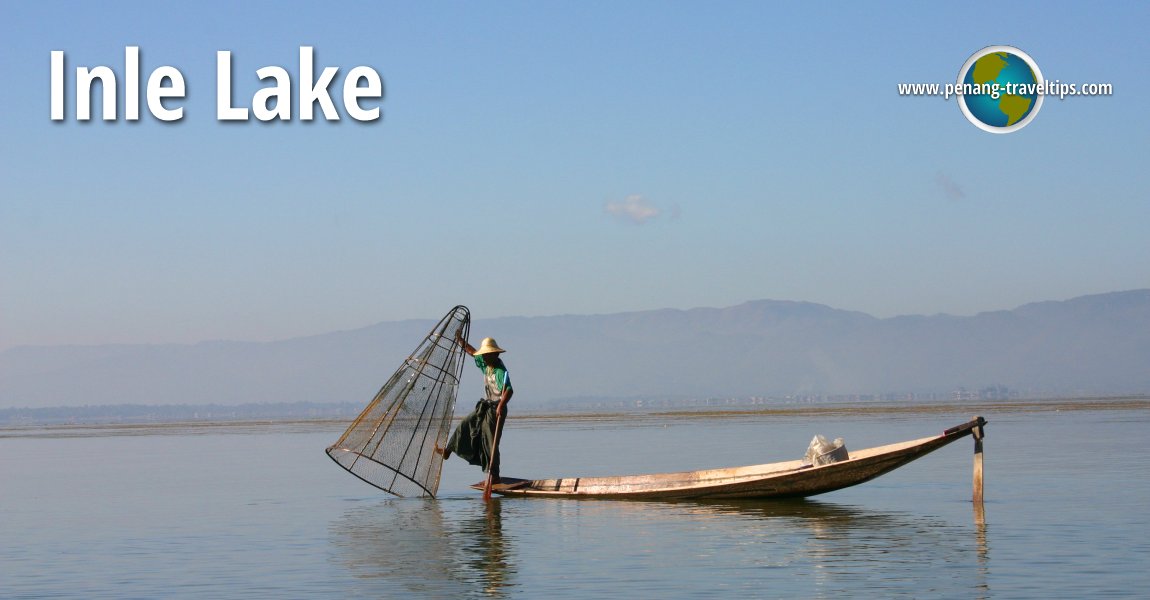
[{"x": 789, "y": 479}]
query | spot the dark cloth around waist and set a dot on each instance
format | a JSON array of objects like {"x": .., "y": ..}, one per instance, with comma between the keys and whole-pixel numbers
[{"x": 473, "y": 439}]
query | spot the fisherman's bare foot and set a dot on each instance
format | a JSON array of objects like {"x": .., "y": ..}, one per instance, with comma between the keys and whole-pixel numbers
[{"x": 444, "y": 452}]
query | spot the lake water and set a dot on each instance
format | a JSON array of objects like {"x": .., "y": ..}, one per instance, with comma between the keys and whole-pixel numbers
[{"x": 259, "y": 511}]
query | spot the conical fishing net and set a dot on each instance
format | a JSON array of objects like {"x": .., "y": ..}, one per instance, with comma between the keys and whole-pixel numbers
[{"x": 391, "y": 444}]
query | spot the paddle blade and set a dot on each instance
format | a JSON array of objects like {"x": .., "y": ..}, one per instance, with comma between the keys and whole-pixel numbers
[{"x": 487, "y": 489}]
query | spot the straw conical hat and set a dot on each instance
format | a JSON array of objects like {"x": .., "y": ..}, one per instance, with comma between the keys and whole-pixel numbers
[{"x": 489, "y": 346}]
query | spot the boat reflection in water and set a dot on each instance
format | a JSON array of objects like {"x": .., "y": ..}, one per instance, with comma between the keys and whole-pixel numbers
[{"x": 461, "y": 547}]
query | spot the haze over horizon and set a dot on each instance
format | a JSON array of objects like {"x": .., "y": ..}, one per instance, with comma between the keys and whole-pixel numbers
[
  {"x": 562, "y": 159},
  {"x": 482, "y": 318},
  {"x": 1086, "y": 346}
]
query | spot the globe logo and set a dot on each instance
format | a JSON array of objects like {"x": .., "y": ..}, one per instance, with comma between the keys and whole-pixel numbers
[{"x": 1001, "y": 89}]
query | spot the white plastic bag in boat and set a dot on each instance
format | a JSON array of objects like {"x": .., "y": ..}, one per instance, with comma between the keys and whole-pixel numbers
[{"x": 822, "y": 452}]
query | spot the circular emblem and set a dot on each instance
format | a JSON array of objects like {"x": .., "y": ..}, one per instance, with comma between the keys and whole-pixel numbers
[{"x": 1001, "y": 89}]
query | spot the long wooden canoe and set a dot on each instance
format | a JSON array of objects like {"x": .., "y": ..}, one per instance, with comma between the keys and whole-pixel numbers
[{"x": 789, "y": 479}]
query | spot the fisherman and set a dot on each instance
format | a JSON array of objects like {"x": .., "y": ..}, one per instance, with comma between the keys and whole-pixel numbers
[{"x": 476, "y": 440}]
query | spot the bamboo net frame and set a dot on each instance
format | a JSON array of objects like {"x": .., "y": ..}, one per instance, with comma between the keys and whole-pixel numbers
[{"x": 391, "y": 444}]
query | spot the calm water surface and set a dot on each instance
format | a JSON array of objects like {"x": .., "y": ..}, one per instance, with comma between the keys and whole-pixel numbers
[{"x": 260, "y": 512}]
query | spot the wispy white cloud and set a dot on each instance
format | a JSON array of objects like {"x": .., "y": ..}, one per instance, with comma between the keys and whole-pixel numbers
[
  {"x": 634, "y": 209},
  {"x": 949, "y": 187}
]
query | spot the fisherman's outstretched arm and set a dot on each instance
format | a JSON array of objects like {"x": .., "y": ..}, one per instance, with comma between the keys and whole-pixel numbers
[{"x": 466, "y": 347}]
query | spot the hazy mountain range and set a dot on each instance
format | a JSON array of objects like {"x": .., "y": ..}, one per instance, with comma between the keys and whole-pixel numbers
[{"x": 1090, "y": 345}]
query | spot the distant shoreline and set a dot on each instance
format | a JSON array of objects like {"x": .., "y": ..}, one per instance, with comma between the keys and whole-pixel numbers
[{"x": 215, "y": 422}]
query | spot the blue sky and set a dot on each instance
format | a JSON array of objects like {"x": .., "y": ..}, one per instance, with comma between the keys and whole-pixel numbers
[{"x": 760, "y": 150}]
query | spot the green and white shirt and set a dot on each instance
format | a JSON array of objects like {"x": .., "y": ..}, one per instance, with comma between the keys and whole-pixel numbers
[{"x": 495, "y": 378}]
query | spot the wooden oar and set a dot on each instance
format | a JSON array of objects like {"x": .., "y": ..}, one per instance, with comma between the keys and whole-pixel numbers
[{"x": 494, "y": 456}]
